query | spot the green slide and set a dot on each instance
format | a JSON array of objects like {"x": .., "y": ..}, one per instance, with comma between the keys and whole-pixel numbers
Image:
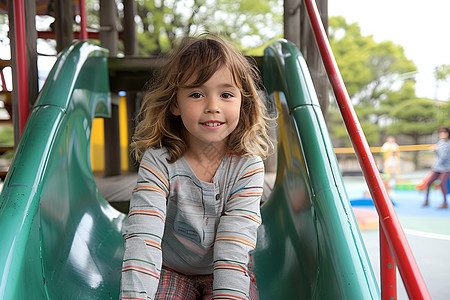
[{"x": 60, "y": 239}]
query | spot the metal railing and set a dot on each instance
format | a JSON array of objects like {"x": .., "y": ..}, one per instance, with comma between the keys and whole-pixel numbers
[{"x": 392, "y": 237}]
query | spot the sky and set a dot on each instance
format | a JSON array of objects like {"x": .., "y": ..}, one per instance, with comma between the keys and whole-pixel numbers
[{"x": 421, "y": 27}]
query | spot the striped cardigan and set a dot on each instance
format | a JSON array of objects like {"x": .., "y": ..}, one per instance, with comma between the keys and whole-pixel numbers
[{"x": 192, "y": 226}]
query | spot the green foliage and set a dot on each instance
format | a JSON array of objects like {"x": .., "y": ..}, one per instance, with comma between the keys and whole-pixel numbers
[
  {"x": 161, "y": 23},
  {"x": 247, "y": 23},
  {"x": 368, "y": 68},
  {"x": 6, "y": 136},
  {"x": 415, "y": 117},
  {"x": 442, "y": 72},
  {"x": 407, "y": 91},
  {"x": 336, "y": 127},
  {"x": 7, "y": 140},
  {"x": 444, "y": 113},
  {"x": 349, "y": 48},
  {"x": 371, "y": 131},
  {"x": 378, "y": 79}
]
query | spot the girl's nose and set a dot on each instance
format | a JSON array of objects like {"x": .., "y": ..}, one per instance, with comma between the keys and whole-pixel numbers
[{"x": 212, "y": 106}]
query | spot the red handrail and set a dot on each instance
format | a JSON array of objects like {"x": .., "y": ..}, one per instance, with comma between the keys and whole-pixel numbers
[
  {"x": 83, "y": 23},
  {"x": 21, "y": 62},
  {"x": 388, "y": 269},
  {"x": 412, "y": 279}
]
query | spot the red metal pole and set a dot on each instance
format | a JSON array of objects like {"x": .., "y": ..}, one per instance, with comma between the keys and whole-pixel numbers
[
  {"x": 3, "y": 81},
  {"x": 21, "y": 62},
  {"x": 83, "y": 23},
  {"x": 388, "y": 269},
  {"x": 413, "y": 281},
  {"x": 90, "y": 35}
]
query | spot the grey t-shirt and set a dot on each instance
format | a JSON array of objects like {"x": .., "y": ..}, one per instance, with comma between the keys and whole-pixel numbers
[{"x": 192, "y": 226}]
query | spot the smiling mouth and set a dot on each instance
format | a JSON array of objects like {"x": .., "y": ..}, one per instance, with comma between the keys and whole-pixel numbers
[{"x": 212, "y": 124}]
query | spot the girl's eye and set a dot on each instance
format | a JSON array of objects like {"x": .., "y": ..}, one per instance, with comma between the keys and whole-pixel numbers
[
  {"x": 195, "y": 95},
  {"x": 227, "y": 96}
]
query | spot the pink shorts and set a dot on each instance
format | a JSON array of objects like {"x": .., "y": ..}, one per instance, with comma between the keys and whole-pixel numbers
[{"x": 176, "y": 286}]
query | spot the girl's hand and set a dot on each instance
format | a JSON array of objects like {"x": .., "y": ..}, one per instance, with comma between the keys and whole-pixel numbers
[{"x": 433, "y": 147}]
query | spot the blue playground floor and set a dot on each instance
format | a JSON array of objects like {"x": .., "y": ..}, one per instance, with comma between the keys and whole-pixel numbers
[
  {"x": 427, "y": 230},
  {"x": 407, "y": 205}
]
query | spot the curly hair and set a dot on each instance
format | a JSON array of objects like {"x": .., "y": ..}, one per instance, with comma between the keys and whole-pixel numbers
[{"x": 201, "y": 57}]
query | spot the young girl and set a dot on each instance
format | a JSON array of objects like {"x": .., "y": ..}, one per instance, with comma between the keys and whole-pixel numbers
[
  {"x": 194, "y": 212},
  {"x": 391, "y": 157},
  {"x": 441, "y": 166}
]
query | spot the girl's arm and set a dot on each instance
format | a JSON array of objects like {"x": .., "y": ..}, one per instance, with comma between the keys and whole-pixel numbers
[
  {"x": 143, "y": 229},
  {"x": 236, "y": 233}
]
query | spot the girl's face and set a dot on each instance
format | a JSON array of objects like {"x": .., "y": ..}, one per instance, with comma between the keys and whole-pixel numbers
[{"x": 210, "y": 112}]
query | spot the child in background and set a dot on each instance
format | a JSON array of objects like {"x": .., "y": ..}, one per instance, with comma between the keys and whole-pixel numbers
[
  {"x": 441, "y": 166},
  {"x": 391, "y": 159},
  {"x": 195, "y": 210}
]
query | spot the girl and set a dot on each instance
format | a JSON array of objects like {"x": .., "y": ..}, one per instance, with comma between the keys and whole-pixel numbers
[
  {"x": 441, "y": 166},
  {"x": 391, "y": 157},
  {"x": 194, "y": 212}
]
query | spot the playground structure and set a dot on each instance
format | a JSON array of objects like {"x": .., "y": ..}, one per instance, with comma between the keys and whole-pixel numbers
[{"x": 68, "y": 243}]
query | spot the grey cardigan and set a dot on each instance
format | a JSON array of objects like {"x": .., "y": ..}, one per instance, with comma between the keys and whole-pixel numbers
[{"x": 192, "y": 226}]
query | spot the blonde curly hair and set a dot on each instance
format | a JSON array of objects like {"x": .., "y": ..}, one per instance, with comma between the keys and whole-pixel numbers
[{"x": 201, "y": 57}]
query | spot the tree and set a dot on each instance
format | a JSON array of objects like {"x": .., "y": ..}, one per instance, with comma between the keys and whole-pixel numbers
[
  {"x": 372, "y": 72},
  {"x": 441, "y": 73},
  {"x": 248, "y": 23},
  {"x": 339, "y": 133},
  {"x": 415, "y": 118},
  {"x": 444, "y": 113},
  {"x": 368, "y": 68}
]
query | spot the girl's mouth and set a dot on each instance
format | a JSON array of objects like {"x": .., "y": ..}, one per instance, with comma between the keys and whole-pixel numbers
[{"x": 212, "y": 124}]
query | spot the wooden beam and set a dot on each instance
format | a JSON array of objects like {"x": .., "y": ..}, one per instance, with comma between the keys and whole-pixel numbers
[
  {"x": 297, "y": 29},
  {"x": 108, "y": 38},
  {"x": 108, "y": 26},
  {"x": 63, "y": 24},
  {"x": 130, "y": 73},
  {"x": 291, "y": 20},
  {"x": 31, "y": 37},
  {"x": 308, "y": 47},
  {"x": 129, "y": 28},
  {"x": 130, "y": 49}
]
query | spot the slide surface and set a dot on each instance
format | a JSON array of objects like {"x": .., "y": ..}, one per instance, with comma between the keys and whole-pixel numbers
[{"x": 61, "y": 240}]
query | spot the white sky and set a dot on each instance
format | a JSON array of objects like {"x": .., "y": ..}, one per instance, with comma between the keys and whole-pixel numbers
[{"x": 421, "y": 27}]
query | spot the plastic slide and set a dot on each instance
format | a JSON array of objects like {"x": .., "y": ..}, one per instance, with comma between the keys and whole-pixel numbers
[
  {"x": 423, "y": 184},
  {"x": 61, "y": 240}
]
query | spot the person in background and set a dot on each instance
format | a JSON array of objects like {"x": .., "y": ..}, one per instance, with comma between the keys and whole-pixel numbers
[
  {"x": 441, "y": 166},
  {"x": 391, "y": 158}
]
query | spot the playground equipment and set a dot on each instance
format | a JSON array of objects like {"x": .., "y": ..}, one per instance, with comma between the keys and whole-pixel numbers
[{"x": 60, "y": 238}]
